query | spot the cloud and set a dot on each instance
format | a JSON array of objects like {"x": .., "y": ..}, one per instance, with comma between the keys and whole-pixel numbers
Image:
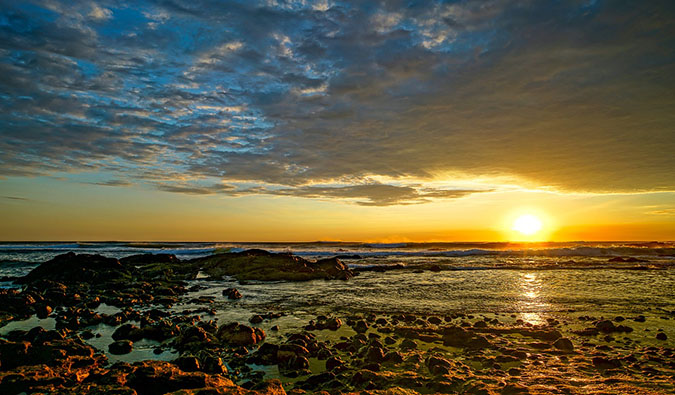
[
  {"x": 192, "y": 189},
  {"x": 374, "y": 194},
  {"x": 99, "y": 13},
  {"x": 15, "y": 198},
  {"x": 569, "y": 95},
  {"x": 113, "y": 183},
  {"x": 669, "y": 212}
]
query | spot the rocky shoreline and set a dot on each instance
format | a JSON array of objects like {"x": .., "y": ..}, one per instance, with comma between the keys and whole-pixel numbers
[{"x": 368, "y": 352}]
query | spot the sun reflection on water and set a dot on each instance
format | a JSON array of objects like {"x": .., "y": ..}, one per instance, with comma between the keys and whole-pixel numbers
[{"x": 531, "y": 303}]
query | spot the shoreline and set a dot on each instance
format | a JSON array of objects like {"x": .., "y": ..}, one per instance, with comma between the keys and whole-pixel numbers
[{"x": 162, "y": 306}]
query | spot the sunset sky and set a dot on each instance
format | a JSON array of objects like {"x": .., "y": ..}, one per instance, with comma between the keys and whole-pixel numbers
[{"x": 326, "y": 120}]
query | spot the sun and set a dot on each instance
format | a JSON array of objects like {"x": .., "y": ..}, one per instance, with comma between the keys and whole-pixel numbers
[{"x": 527, "y": 224}]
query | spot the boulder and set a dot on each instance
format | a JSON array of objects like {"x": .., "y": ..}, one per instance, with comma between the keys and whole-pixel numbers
[
  {"x": 232, "y": 293},
  {"x": 121, "y": 347},
  {"x": 240, "y": 335},
  {"x": 564, "y": 344}
]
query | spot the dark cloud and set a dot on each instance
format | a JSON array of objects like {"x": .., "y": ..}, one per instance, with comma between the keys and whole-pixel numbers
[
  {"x": 113, "y": 183},
  {"x": 374, "y": 194},
  {"x": 15, "y": 198},
  {"x": 575, "y": 95},
  {"x": 194, "y": 190}
]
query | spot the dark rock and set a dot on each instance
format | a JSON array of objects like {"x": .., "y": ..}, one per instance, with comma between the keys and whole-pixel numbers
[
  {"x": 295, "y": 363},
  {"x": 513, "y": 388},
  {"x": 333, "y": 323},
  {"x": 158, "y": 377},
  {"x": 360, "y": 326},
  {"x": 213, "y": 364},
  {"x": 143, "y": 259},
  {"x": 408, "y": 344},
  {"x": 232, "y": 293},
  {"x": 661, "y": 336},
  {"x": 394, "y": 357},
  {"x": 564, "y": 344},
  {"x": 120, "y": 347},
  {"x": 240, "y": 335},
  {"x": 256, "y": 319},
  {"x": 374, "y": 354},
  {"x": 76, "y": 268},
  {"x": 438, "y": 365},
  {"x": 129, "y": 332},
  {"x": 289, "y": 351},
  {"x": 43, "y": 311},
  {"x": 458, "y": 337},
  {"x": 606, "y": 363},
  {"x": 187, "y": 363},
  {"x": 334, "y": 363}
]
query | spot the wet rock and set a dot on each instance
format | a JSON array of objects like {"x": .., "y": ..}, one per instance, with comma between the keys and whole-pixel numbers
[
  {"x": 240, "y": 335},
  {"x": 408, "y": 344},
  {"x": 564, "y": 344},
  {"x": 266, "y": 354},
  {"x": 213, "y": 364},
  {"x": 374, "y": 354},
  {"x": 513, "y": 389},
  {"x": 129, "y": 332},
  {"x": 158, "y": 377},
  {"x": 296, "y": 363},
  {"x": 360, "y": 326},
  {"x": 232, "y": 293},
  {"x": 437, "y": 365},
  {"x": 394, "y": 357},
  {"x": 187, "y": 363},
  {"x": 256, "y": 319},
  {"x": 458, "y": 337},
  {"x": 43, "y": 311},
  {"x": 87, "y": 334},
  {"x": 603, "y": 363},
  {"x": 480, "y": 324},
  {"x": 317, "y": 380},
  {"x": 333, "y": 323},
  {"x": 289, "y": 351},
  {"x": 514, "y": 372},
  {"x": 333, "y": 363},
  {"x": 121, "y": 347},
  {"x": 661, "y": 336}
]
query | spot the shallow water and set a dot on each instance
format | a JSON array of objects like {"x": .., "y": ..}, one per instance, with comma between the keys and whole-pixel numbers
[
  {"x": 528, "y": 286},
  {"x": 530, "y": 295}
]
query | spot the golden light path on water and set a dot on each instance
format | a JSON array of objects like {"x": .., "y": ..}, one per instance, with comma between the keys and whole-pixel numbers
[{"x": 532, "y": 302}]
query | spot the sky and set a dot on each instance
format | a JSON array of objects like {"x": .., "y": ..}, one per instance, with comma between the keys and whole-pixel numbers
[{"x": 329, "y": 120}]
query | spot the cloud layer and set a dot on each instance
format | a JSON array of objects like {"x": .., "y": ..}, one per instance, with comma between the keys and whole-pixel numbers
[{"x": 326, "y": 99}]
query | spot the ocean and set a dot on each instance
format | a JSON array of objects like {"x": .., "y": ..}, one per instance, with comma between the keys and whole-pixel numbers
[{"x": 536, "y": 279}]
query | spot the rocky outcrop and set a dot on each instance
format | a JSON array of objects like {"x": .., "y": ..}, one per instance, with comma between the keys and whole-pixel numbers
[
  {"x": 71, "y": 268},
  {"x": 266, "y": 266}
]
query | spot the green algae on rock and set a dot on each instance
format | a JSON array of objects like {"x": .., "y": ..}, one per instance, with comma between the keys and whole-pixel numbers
[{"x": 266, "y": 266}]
